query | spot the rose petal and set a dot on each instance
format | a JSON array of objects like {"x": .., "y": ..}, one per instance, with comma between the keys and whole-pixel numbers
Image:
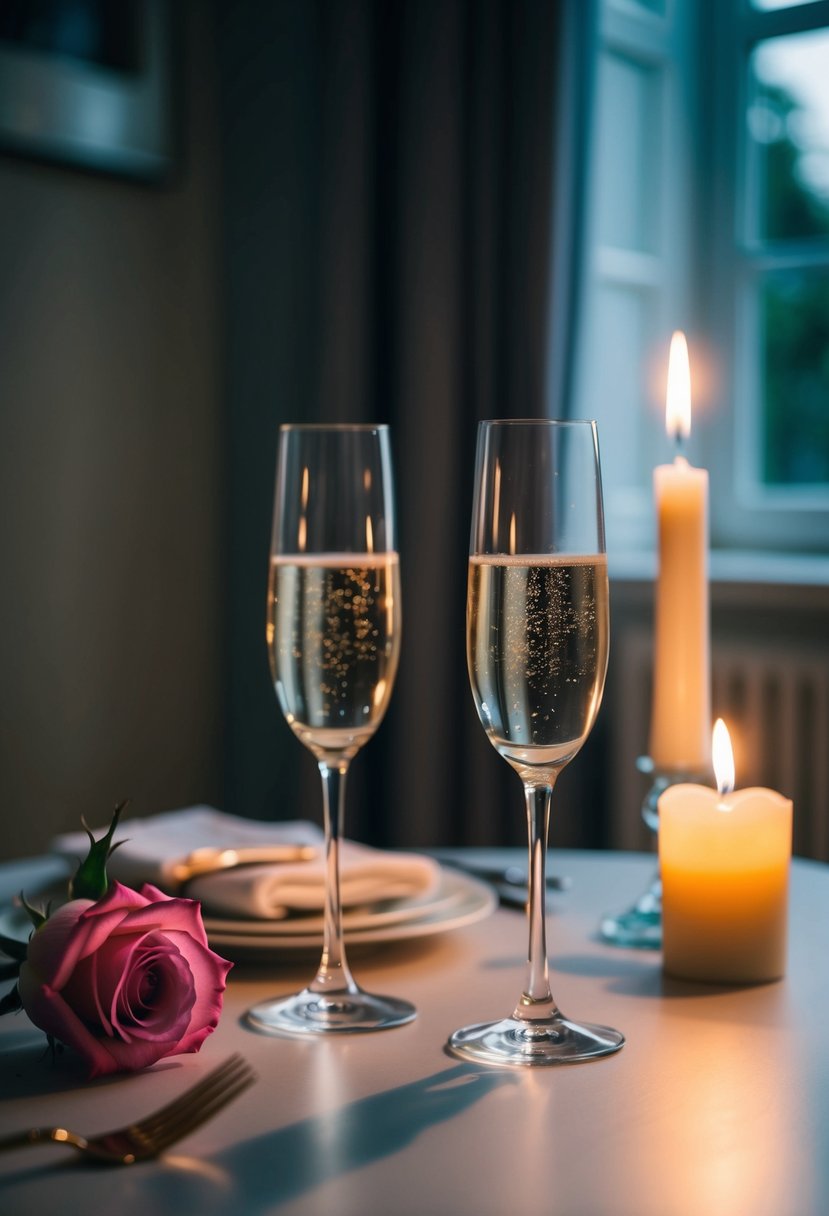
[
  {"x": 94, "y": 924},
  {"x": 132, "y": 1057},
  {"x": 124, "y": 910},
  {"x": 99, "y": 988},
  {"x": 169, "y": 915},
  {"x": 163, "y": 1010},
  {"x": 210, "y": 979},
  {"x": 153, "y": 894},
  {"x": 54, "y": 948},
  {"x": 51, "y": 1014},
  {"x": 118, "y": 897}
]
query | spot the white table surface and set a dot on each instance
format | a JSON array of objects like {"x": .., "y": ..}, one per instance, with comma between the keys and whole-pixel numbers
[{"x": 718, "y": 1104}]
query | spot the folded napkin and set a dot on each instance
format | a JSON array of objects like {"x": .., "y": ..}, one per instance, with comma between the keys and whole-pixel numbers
[{"x": 270, "y": 890}]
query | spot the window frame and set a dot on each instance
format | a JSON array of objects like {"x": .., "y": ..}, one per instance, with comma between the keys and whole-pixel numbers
[
  {"x": 659, "y": 276},
  {"x": 744, "y": 512},
  {"x": 705, "y": 277}
]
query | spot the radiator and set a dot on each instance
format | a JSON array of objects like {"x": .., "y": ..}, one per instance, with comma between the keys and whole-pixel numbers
[{"x": 774, "y": 699}]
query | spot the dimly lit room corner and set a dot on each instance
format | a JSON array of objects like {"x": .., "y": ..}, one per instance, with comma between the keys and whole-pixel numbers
[
  {"x": 112, "y": 463},
  {"x": 306, "y": 239}
]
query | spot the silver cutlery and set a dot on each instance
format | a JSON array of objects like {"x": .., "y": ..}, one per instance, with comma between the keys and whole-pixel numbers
[{"x": 510, "y": 875}]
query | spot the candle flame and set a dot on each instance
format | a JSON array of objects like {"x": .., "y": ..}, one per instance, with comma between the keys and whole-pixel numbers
[
  {"x": 678, "y": 399},
  {"x": 723, "y": 757}
]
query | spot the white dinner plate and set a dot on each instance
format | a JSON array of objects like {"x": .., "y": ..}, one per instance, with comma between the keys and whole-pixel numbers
[
  {"x": 458, "y": 900},
  {"x": 444, "y": 895}
]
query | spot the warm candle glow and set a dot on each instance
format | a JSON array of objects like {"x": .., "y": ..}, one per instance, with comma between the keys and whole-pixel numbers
[
  {"x": 723, "y": 757},
  {"x": 724, "y": 863},
  {"x": 680, "y": 738},
  {"x": 678, "y": 399}
]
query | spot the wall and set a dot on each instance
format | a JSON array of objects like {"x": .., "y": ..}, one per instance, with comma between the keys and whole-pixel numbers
[
  {"x": 110, "y": 468},
  {"x": 269, "y": 81}
]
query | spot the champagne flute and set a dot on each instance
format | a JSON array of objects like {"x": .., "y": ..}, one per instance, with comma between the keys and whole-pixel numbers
[
  {"x": 537, "y": 646},
  {"x": 334, "y": 640}
]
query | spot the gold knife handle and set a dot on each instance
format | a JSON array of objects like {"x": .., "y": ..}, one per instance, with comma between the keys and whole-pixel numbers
[{"x": 210, "y": 860}]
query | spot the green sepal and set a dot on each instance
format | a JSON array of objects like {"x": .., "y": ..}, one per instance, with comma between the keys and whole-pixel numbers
[
  {"x": 11, "y": 1002},
  {"x": 37, "y": 917},
  {"x": 90, "y": 880}
]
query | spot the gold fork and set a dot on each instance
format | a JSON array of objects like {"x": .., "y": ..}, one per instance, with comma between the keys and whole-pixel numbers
[{"x": 158, "y": 1131}]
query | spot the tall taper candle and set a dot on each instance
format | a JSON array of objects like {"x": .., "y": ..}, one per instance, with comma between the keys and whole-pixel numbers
[{"x": 680, "y": 737}]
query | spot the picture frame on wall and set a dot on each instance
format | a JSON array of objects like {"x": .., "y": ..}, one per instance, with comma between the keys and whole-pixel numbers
[{"x": 89, "y": 83}]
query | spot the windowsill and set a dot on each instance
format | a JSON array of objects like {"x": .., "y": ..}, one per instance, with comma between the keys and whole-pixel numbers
[{"x": 733, "y": 566}]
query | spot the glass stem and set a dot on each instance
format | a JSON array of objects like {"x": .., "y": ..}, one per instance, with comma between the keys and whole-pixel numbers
[
  {"x": 536, "y": 1001},
  {"x": 333, "y": 976}
]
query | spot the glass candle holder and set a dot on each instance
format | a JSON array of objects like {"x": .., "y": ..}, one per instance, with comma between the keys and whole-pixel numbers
[{"x": 640, "y": 925}]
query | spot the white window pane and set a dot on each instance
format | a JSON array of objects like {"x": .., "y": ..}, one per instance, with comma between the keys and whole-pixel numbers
[
  {"x": 794, "y": 326},
  {"x": 788, "y": 127},
  {"x": 650, "y": 6},
  {"x": 629, "y": 126},
  {"x": 616, "y": 394},
  {"x": 769, "y": 4}
]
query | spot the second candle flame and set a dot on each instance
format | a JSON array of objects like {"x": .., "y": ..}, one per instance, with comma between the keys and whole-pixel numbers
[
  {"x": 723, "y": 757},
  {"x": 678, "y": 398}
]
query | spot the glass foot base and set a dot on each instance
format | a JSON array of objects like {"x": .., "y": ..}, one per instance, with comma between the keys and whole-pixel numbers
[
  {"x": 314, "y": 1013},
  {"x": 639, "y": 927},
  {"x": 514, "y": 1043}
]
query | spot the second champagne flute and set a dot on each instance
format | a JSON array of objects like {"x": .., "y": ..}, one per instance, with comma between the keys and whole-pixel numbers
[
  {"x": 537, "y": 646},
  {"x": 334, "y": 640}
]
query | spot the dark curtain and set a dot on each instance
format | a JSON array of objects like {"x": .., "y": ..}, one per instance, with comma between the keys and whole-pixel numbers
[{"x": 402, "y": 233}]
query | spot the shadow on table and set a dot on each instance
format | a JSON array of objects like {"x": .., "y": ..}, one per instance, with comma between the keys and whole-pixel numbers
[
  {"x": 27, "y": 1071},
  {"x": 640, "y": 976},
  {"x": 282, "y": 1165},
  {"x": 316, "y": 1150},
  {"x": 631, "y": 976}
]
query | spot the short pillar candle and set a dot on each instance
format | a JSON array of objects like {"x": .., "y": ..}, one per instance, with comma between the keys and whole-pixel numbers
[{"x": 724, "y": 859}]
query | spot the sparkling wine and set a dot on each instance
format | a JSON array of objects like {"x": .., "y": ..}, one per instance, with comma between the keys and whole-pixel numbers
[
  {"x": 537, "y": 646},
  {"x": 334, "y": 639}
]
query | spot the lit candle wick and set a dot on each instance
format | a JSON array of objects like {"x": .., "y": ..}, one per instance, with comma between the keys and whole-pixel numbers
[
  {"x": 723, "y": 758},
  {"x": 678, "y": 395}
]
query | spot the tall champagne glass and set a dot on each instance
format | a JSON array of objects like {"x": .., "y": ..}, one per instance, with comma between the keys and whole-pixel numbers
[
  {"x": 537, "y": 646},
  {"x": 334, "y": 638}
]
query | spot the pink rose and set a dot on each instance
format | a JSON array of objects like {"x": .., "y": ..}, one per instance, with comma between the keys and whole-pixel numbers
[{"x": 124, "y": 980}]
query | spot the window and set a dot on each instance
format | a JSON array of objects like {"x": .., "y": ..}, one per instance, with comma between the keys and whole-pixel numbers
[
  {"x": 639, "y": 257},
  {"x": 776, "y": 278},
  {"x": 711, "y": 213}
]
